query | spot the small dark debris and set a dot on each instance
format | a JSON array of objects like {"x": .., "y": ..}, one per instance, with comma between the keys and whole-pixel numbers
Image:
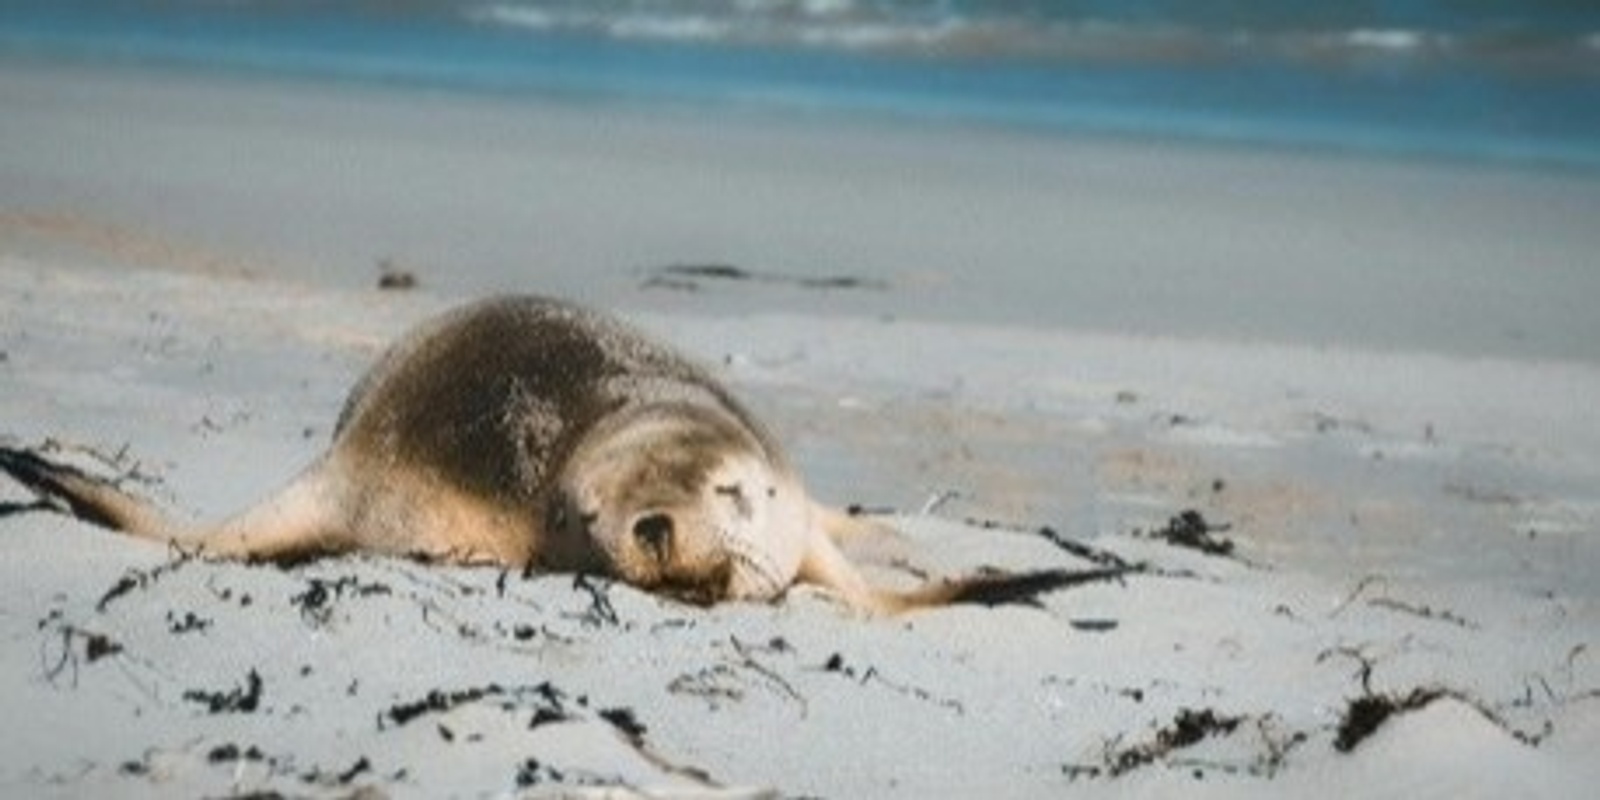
[
  {"x": 553, "y": 706},
  {"x": 1104, "y": 558},
  {"x": 545, "y": 716},
  {"x": 712, "y": 684},
  {"x": 97, "y": 646},
  {"x": 1485, "y": 496},
  {"x": 718, "y": 271},
  {"x": 1191, "y": 529},
  {"x": 835, "y": 663},
  {"x": 437, "y": 701},
  {"x": 188, "y": 623},
  {"x": 691, "y": 278},
  {"x": 1188, "y": 728},
  {"x": 1328, "y": 423},
  {"x": 1367, "y": 713},
  {"x": 244, "y": 700},
  {"x": 548, "y": 692},
  {"x": 134, "y": 768},
  {"x": 533, "y": 772},
  {"x": 361, "y": 766},
  {"x": 393, "y": 277},
  {"x": 859, "y": 510},
  {"x": 131, "y": 580},
  {"x": 230, "y": 753},
  {"x": 1076, "y": 771},
  {"x": 626, "y": 723},
  {"x": 1423, "y": 611},
  {"x": 600, "y": 612},
  {"x": 670, "y": 284},
  {"x": 316, "y": 602},
  {"x": 839, "y": 282},
  {"x": 1093, "y": 625}
]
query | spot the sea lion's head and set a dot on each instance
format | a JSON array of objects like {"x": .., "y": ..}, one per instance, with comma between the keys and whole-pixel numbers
[{"x": 684, "y": 501}]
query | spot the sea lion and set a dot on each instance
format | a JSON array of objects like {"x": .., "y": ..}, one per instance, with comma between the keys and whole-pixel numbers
[{"x": 530, "y": 433}]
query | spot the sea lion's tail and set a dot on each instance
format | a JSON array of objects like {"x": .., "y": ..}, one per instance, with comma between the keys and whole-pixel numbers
[
  {"x": 293, "y": 525},
  {"x": 91, "y": 499}
]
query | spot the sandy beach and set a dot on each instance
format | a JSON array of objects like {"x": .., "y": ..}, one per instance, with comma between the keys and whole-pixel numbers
[{"x": 1341, "y": 411}]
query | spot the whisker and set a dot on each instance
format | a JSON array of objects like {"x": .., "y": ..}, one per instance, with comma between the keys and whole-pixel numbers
[{"x": 751, "y": 557}]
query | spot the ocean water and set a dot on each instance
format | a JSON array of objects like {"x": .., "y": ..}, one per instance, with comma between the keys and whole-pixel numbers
[{"x": 1504, "y": 80}]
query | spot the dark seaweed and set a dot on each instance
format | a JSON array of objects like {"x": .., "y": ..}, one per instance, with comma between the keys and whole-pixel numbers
[
  {"x": 316, "y": 602},
  {"x": 626, "y": 723},
  {"x": 1367, "y": 713},
  {"x": 1190, "y": 529},
  {"x": 1188, "y": 728},
  {"x": 693, "y": 277},
  {"x": 242, "y": 700},
  {"x": 437, "y": 702}
]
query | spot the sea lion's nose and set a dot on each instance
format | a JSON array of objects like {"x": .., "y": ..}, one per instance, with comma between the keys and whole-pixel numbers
[{"x": 654, "y": 532}]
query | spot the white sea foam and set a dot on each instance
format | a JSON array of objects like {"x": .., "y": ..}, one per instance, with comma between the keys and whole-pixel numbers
[
  {"x": 807, "y": 8},
  {"x": 1001, "y": 31},
  {"x": 877, "y": 36},
  {"x": 1385, "y": 39},
  {"x": 514, "y": 16},
  {"x": 663, "y": 27}
]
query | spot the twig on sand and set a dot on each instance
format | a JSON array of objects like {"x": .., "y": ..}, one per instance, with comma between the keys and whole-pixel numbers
[{"x": 600, "y": 612}]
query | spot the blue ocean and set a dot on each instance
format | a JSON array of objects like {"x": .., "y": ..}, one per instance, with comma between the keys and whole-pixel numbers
[{"x": 1496, "y": 80}]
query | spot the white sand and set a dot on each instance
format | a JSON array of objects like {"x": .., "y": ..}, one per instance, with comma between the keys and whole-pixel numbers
[{"x": 1427, "y": 519}]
